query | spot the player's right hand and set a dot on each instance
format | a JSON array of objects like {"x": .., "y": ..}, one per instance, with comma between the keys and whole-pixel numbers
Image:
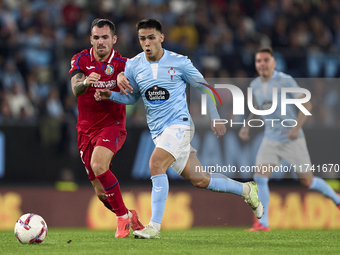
[
  {"x": 102, "y": 94},
  {"x": 123, "y": 84},
  {"x": 92, "y": 78},
  {"x": 219, "y": 129},
  {"x": 244, "y": 133}
]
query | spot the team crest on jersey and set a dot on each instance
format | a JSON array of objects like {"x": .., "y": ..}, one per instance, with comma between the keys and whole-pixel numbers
[
  {"x": 171, "y": 72},
  {"x": 109, "y": 69},
  {"x": 157, "y": 95}
]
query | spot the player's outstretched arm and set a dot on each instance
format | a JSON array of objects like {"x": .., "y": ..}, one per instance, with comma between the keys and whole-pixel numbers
[
  {"x": 219, "y": 129},
  {"x": 103, "y": 94},
  {"x": 192, "y": 76}
]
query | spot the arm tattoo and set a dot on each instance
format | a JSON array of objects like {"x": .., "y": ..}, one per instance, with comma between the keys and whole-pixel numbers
[{"x": 78, "y": 88}]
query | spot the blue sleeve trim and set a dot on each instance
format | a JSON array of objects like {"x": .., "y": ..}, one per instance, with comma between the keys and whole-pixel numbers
[
  {"x": 121, "y": 60},
  {"x": 77, "y": 62}
]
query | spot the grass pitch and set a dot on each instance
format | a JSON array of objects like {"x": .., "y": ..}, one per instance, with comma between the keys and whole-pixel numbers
[{"x": 194, "y": 241}]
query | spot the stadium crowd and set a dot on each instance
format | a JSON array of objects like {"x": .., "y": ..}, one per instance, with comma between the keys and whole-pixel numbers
[{"x": 38, "y": 39}]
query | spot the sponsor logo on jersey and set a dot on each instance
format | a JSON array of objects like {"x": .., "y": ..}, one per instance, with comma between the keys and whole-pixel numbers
[
  {"x": 105, "y": 84},
  {"x": 109, "y": 69},
  {"x": 157, "y": 95}
]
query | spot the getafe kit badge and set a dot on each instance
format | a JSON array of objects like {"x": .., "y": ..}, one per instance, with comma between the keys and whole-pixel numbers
[{"x": 109, "y": 69}]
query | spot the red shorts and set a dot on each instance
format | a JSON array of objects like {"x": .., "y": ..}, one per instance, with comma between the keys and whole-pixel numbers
[{"x": 112, "y": 137}]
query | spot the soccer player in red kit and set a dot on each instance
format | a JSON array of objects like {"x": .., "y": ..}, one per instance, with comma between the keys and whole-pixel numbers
[{"x": 101, "y": 125}]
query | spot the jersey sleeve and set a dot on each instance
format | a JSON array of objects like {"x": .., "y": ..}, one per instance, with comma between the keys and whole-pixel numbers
[
  {"x": 192, "y": 76},
  {"x": 128, "y": 72},
  {"x": 290, "y": 82},
  {"x": 122, "y": 65},
  {"x": 131, "y": 98},
  {"x": 76, "y": 66},
  {"x": 189, "y": 71},
  {"x": 124, "y": 99}
]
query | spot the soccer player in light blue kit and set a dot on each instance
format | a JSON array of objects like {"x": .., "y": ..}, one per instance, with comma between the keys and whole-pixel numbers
[
  {"x": 159, "y": 77},
  {"x": 280, "y": 142}
]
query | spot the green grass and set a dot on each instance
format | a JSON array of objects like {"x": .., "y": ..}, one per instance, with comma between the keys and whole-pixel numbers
[{"x": 194, "y": 241}]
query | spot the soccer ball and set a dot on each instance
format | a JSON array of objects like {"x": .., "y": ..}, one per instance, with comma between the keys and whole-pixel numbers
[{"x": 30, "y": 228}]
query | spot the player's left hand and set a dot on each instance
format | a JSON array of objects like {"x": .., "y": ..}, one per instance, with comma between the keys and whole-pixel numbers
[
  {"x": 219, "y": 129},
  {"x": 102, "y": 94},
  {"x": 293, "y": 133},
  {"x": 123, "y": 84}
]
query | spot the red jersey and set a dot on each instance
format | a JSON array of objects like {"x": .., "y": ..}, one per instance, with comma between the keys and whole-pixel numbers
[{"x": 94, "y": 115}]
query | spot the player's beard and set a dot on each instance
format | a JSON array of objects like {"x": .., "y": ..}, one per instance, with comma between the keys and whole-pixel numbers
[{"x": 102, "y": 52}]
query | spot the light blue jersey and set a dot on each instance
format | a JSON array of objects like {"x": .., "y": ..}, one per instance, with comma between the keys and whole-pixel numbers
[
  {"x": 263, "y": 95},
  {"x": 162, "y": 86}
]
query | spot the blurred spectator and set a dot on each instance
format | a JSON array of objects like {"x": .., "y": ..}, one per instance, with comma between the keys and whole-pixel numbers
[
  {"x": 51, "y": 125},
  {"x": 71, "y": 14},
  {"x": 20, "y": 105},
  {"x": 268, "y": 13},
  {"x": 207, "y": 57},
  {"x": 38, "y": 47},
  {"x": 11, "y": 76},
  {"x": 53, "y": 105},
  {"x": 322, "y": 36},
  {"x": 280, "y": 36},
  {"x": 5, "y": 110},
  {"x": 183, "y": 35}
]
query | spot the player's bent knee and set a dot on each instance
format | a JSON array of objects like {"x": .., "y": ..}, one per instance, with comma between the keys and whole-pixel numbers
[
  {"x": 156, "y": 167},
  {"x": 306, "y": 181},
  {"x": 98, "y": 168},
  {"x": 200, "y": 183}
]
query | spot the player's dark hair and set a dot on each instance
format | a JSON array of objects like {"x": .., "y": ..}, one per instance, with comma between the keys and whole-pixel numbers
[
  {"x": 149, "y": 23},
  {"x": 267, "y": 49},
  {"x": 104, "y": 22}
]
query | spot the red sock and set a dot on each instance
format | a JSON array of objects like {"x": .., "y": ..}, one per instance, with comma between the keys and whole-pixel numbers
[{"x": 112, "y": 190}]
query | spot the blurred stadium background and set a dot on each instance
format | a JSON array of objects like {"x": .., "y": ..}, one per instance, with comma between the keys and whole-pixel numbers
[{"x": 40, "y": 168}]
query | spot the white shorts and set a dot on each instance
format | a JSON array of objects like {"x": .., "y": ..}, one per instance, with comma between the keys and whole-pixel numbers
[
  {"x": 294, "y": 152},
  {"x": 176, "y": 139}
]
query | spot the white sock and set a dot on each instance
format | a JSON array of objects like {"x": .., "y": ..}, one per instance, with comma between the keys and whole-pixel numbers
[
  {"x": 130, "y": 214},
  {"x": 156, "y": 225},
  {"x": 125, "y": 216},
  {"x": 245, "y": 190}
]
